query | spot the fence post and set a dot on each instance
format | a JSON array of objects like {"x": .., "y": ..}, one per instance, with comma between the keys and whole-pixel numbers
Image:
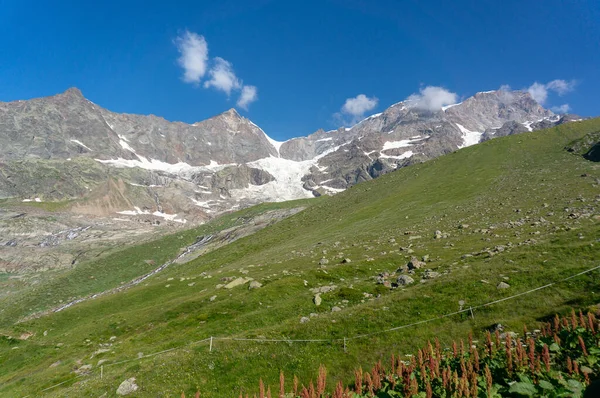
[
  {"x": 345, "y": 344},
  {"x": 210, "y": 347},
  {"x": 101, "y": 371},
  {"x": 471, "y": 309}
]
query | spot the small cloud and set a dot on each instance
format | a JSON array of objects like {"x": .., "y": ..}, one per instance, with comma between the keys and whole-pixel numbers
[
  {"x": 194, "y": 56},
  {"x": 249, "y": 94},
  {"x": 432, "y": 98},
  {"x": 564, "y": 108},
  {"x": 505, "y": 87},
  {"x": 539, "y": 91},
  {"x": 354, "y": 109},
  {"x": 222, "y": 77},
  {"x": 561, "y": 86}
]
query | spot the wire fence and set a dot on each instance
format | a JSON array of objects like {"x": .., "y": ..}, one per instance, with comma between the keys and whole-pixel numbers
[{"x": 210, "y": 340}]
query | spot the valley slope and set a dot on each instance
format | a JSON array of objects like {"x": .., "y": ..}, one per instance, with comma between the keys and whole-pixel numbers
[{"x": 520, "y": 210}]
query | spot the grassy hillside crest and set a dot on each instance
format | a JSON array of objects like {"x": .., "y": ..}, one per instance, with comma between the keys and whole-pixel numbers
[{"x": 519, "y": 210}]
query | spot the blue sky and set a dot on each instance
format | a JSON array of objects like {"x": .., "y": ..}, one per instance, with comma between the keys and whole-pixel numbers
[{"x": 306, "y": 62}]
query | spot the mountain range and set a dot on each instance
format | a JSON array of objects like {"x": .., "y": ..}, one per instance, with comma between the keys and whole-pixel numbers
[{"x": 64, "y": 148}]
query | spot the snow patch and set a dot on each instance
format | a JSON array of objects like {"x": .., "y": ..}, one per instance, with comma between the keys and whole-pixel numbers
[
  {"x": 82, "y": 144},
  {"x": 138, "y": 211},
  {"x": 288, "y": 184},
  {"x": 444, "y": 108},
  {"x": 469, "y": 137},
  {"x": 324, "y": 139},
  {"x": 404, "y": 155},
  {"x": 179, "y": 168},
  {"x": 402, "y": 143}
]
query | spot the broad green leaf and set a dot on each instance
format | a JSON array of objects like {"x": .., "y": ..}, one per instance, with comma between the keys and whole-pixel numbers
[
  {"x": 523, "y": 389},
  {"x": 546, "y": 385}
]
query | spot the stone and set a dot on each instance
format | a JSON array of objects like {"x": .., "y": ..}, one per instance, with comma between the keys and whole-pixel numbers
[
  {"x": 437, "y": 235},
  {"x": 404, "y": 280},
  {"x": 429, "y": 274},
  {"x": 502, "y": 285},
  {"x": 212, "y": 298},
  {"x": 336, "y": 309},
  {"x": 402, "y": 269},
  {"x": 237, "y": 282},
  {"x": 254, "y": 285},
  {"x": 414, "y": 263},
  {"x": 304, "y": 319},
  {"x": 84, "y": 369},
  {"x": 346, "y": 261},
  {"x": 323, "y": 261},
  {"x": 317, "y": 299},
  {"x": 127, "y": 387}
]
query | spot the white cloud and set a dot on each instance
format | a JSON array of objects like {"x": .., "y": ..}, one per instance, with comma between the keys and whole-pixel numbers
[
  {"x": 539, "y": 91},
  {"x": 561, "y": 86},
  {"x": 564, "y": 108},
  {"x": 249, "y": 94},
  {"x": 194, "y": 56},
  {"x": 432, "y": 98},
  {"x": 358, "y": 105},
  {"x": 354, "y": 109},
  {"x": 194, "y": 60},
  {"x": 222, "y": 77}
]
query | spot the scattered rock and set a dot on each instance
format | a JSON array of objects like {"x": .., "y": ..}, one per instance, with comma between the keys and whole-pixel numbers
[
  {"x": 502, "y": 285},
  {"x": 127, "y": 387},
  {"x": 323, "y": 261},
  {"x": 346, "y": 261},
  {"x": 304, "y": 319},
  {"x": 254, "y": 285},
  {"x": 336, "y": 309},
  {"x": 212, "y": 298},
  {"x": 237, "y": 282},
  {"x": 317, "y": 299},
  {"x": 55, "y": 364},
  {"x": 429, "y": 274},
  {"x": 323, "y": 289},
  {"x": 404, "y": 280},
  {"x": 463, "y": 226},
  {"x": 83, "y": 369},
  {"x": 414, "y": 263}
]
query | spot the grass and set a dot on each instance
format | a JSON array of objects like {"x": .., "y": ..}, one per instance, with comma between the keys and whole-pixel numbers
[{"x": 518, "y": 192}]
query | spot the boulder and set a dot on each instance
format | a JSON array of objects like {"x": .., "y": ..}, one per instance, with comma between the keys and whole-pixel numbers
[
  {"x": 429, "y": 274},
  {"x": 304, "y": 319},
  {"x": 414, "y": 263},
  {"x": 254, "y": 285},
  {"x": 336, "y": 309},
  {"x": 237, "y": 282},
  {"x": 404, "y": 280},
  {"x": 127, "y": 387},
  {"x": 502, "y": 285},
  {"x": 317, "y": 299},
  {"x": 323, "y": 261}
]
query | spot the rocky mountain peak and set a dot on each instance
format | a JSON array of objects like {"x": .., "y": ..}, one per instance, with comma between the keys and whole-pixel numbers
[{"x": 227, "y": 161}]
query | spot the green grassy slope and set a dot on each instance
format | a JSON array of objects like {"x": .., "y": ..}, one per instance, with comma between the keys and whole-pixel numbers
[{"x": 532, "y": 214}]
